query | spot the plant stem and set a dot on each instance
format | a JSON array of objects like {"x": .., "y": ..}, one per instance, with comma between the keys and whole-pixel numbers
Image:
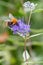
[
  {"x": 29, "y": 17},
  {"x": 25, "y": 46},
  {"x": 30, "y": 49},
  {"x": 30, "y": 46},
  {"x": 25, "y": 49}
]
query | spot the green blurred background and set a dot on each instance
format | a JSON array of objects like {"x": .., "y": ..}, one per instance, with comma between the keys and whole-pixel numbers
[{"x": 16, "y": 48}]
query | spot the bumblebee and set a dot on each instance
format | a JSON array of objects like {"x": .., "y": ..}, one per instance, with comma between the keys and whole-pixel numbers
[{"x": 12, "y": 21}]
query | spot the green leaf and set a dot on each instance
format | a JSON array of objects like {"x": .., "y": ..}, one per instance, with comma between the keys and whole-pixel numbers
[
  {"x": 35, "y": 35},
  {"x": 38, "y": 11}
]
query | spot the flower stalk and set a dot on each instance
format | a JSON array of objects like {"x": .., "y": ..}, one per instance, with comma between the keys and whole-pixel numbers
[
  {"x": 28, "y": 35},
  {"x": 25, "y": 47},
  {"x": 29, "y": 17}
]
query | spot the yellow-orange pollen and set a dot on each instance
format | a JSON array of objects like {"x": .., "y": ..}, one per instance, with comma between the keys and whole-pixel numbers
[{"x": 14, "y": 20}]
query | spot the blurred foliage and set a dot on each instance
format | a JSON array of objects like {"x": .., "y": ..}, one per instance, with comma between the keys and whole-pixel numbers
[{"x": 16, "y": 48}]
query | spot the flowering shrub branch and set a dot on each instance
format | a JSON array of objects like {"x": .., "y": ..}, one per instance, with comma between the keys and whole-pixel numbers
[{"x": 22, "y": 29}]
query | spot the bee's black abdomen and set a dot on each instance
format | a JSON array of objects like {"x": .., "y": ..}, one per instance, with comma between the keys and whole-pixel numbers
[{"x": 10, "y": 24}]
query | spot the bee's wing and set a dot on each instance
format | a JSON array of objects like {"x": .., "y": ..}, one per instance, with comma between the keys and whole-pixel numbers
[
  {"x": 7, "y": 20},
  {"x": 11, "y": 16},
  {"x": 4, "y": 18}
]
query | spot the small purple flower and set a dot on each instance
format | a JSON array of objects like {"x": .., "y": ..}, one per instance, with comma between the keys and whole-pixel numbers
[{"x": 20, "y": 28}]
